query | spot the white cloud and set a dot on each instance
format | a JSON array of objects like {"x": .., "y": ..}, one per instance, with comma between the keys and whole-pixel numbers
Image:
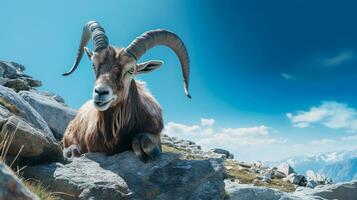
[
  {"x": 233, "y": 137},
  {"x": 330, "y": 114},
  {"x": 176, "y": 129},
  {"x": 339, "y": 59},
  {"x": 286, "y": 76},
  {"x": 324, "y": 141},
  {"x": 239, "y": 141},
  {"x": 207, "y": 122},
  {"x": 350, "y": 138}
]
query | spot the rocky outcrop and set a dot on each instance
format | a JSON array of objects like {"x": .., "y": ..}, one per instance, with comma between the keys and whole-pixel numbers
[
  {"x": 124, "y": 176},
  {"x": 191, "y": 149},
  {"x": 32, "y": 144},
  {"x": 343, "y": 191},
  {"x": 12, "y": 76},
  {"x": 11, "y": 187},
  {"x": 236, "y": 191},
  {"x": 285, "y": 168},
  {"x": 16, "y": 105},
  {"x": 56, "y": 114}
]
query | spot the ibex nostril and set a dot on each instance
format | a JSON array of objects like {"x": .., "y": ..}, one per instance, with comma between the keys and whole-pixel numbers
[{"x": 101, "y": 92}]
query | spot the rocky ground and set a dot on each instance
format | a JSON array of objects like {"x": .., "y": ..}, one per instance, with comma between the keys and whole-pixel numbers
[{"x": 32, "y": 124}]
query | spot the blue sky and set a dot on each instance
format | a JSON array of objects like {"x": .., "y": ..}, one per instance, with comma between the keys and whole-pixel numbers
[{"x": 269, "y": 79}]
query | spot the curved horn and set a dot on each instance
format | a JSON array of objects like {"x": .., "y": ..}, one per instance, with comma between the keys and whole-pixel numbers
[
  {"x": 149, "y": 39},
  {"x": 94, "y": 30}
]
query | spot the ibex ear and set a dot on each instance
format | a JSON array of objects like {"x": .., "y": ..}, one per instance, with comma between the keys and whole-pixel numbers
[
  {"x": 148, "y": 66},
  {"x": 89, "y": 52}
]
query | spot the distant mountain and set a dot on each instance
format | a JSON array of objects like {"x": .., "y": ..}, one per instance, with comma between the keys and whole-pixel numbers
[
  {"x": 341, "y": 171},
  {"x": 338, "y": 165}
]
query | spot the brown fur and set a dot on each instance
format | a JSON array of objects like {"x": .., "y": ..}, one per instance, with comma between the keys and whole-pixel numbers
[{"x": 112, "y": 131}]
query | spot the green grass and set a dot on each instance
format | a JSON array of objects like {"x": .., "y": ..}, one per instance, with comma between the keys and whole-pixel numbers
[
  {"x": 40, "y": 190},
  {"x": 183, "y": 152},
  {"x": 240, "y": 172},
  {"x": 236, "y": 170}
]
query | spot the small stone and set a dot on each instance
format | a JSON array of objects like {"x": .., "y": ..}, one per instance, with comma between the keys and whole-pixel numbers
[
  {"x": 17, "y": 84},
  {"x": 258, "y": 164},
  {"x": 224, "y": 152},
  {"x": 311, "y": 184},
  {"x": 32, "y": 82},
  {"x": 278, "y": 175},
  {"x": 58, "y": 98},
  {"x": 296, "y": 179},
  {"x": 285, "y": 168}
]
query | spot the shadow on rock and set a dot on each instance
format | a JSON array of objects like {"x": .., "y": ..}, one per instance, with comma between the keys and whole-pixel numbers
[{"x": 124, "y": 176}]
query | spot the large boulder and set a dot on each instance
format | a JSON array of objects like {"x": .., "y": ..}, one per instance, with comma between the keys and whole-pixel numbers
[
  {"x": 236, "y": 191},
  {"x": 285, "y": 168},
  {"x": 296, "y": 179},
  {"x": 124, "y": 176},
  {"x": 11, "y": 187},
  {"x": 18, "y": 106},
  {"x": 343, "y": 191},
  {"x": 37, "y": 146},
  {"x": 56, "y": 114}
]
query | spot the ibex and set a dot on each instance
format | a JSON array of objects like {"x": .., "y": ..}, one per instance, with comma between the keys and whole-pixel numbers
[{"x": 122, "y": 114}]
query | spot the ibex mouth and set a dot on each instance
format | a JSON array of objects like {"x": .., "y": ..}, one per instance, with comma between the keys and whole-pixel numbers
[{"x": 102, "y": 105}]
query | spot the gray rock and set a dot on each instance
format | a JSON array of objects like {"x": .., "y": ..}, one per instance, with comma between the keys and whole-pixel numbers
[
  {"x": 58, "y": 98},
  {"x": 277, "y": 174},
  {"x": 318, "y": 178},
  {"x": 18, "y": 66},
  {"x": 267, "y": 177},
  {"x": 55, "y": 114},
  {"x": 3, "y": 81},
  {"x": 37, "y": 146},
  {"x": 17, "y": 105},
  {"x": 11, "y": 187},
  {"x": 311, "y": 184},
  {"x": 15, "y": 78},
  {"x": 236, "y": 191},
  {"x": 32, "y": 82},
  {"x": 224, "y": 152},
  {"x": 54, "y": 96},
  {"x": 285, "y": 168},
  {"x": 296, "y": 179},
  {"x": 341, "y": 191},
  {"x": 8, "y": 70},
  {"x": 124, "y": 176},
  {"x": 18, "y": 84},
  {"x": 258, "y": 164}
]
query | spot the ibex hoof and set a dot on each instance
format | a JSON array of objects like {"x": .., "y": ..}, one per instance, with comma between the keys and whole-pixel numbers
[
  {"x": 72, "y": 151},
  {"x": 145, "y": 147}
]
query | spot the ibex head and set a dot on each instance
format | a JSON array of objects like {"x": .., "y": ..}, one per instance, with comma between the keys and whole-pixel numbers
[{"x": 115, "y": 68}]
